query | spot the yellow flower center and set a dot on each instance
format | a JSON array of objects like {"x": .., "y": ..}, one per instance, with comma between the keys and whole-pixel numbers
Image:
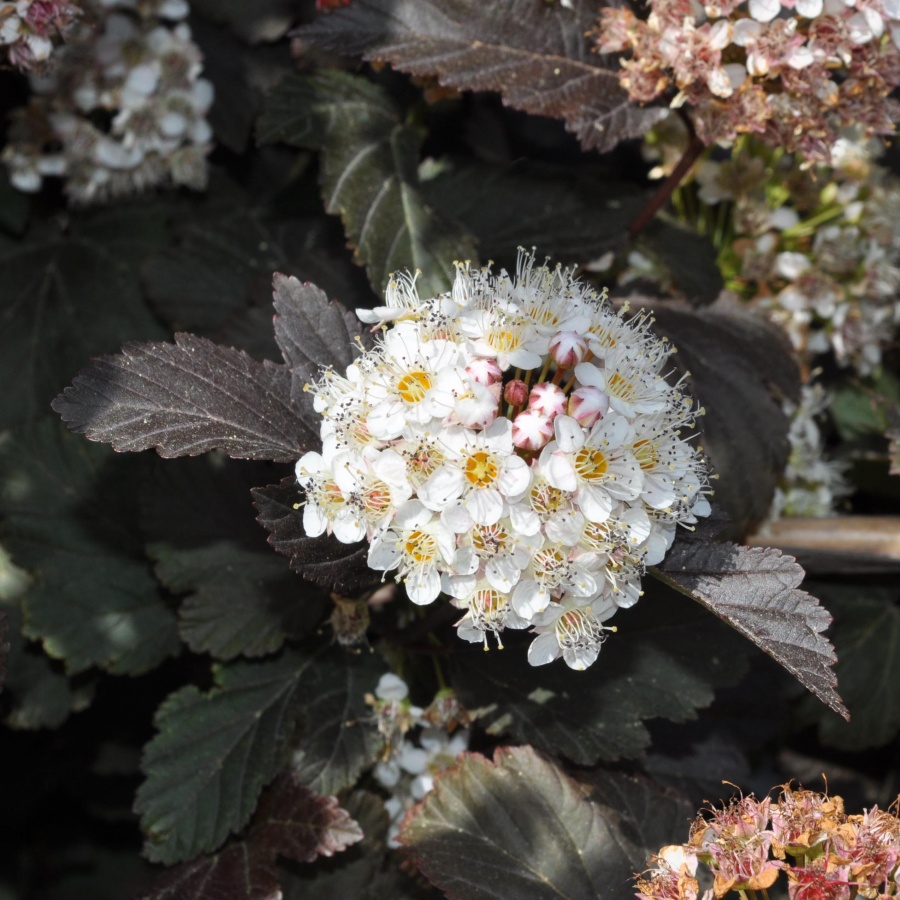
[
  {"x": 377, "y": 499},
  {"x": 489, "y": 540},
  {"x": 546, "y": 499},
  {"x": 420, "y": 547},
  {"x": 591, "y": 465},
  {"x": 645, "y": 453},
  {"x": 481, "y": 469},
  {"x": 413, "y": 386},
  {"x": 504, "y": 339},
  {"x": 619, "y": 386}
]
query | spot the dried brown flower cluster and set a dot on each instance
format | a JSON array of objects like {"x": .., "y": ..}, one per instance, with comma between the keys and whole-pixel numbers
[
  {"x": 795, "y": 72},
  {"x": 806, "y": 836}
]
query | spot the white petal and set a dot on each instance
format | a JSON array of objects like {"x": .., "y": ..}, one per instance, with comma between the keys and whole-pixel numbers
[
  {"x": 560, "y": 472},
  {"x": 579, "y": 658},
  {"x": 515, "y": 477},
  {"x": 544, "y": 649},
  {"x": 528, "y": 599},
  {"x": 442, "y": 488},
  {"x": 569, "y": 434},
  {"x": 764, "y": 10},
  {"x": 502, "y": 574},
  {"x": 595, "y": 503},
  {"x": 314, "y": 520},
  {"x": 423, "y": 587},
  {"x": 485, "y": 506}
]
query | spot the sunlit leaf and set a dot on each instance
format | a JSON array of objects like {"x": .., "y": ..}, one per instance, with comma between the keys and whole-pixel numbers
[
  {"x": 537, "y": 55},
  {"x": 517, "y": 826},
  {"x": 369, "y": 162},
  {"x": 756, "y": 591},
  {"x": 187, "y": 398}
]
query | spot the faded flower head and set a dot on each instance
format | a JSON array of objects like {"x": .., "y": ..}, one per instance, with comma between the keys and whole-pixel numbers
[
  {"x": 512, "y": 444},
  {"x": 122, "y": 112},
  {"x": 823, "y": 853},
  {"x": 795, "y": 72},
  {"x": 31, "y": 29}
]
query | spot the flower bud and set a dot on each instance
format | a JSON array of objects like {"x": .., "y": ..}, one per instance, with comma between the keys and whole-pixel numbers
[
  {"x": 547, "y": 399},
  {"x": 588, "y": 405},
  {"x": 484, "y": 370},
  {"x": 531, "y": 430},
  {"x": 516, "y": 393},
  {"x": 567, "y": 349}
]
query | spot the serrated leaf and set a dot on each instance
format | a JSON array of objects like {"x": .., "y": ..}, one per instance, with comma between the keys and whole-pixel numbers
[
  {"x": 340, "y": 739},
  {"x": 242, "y": 598},
  {"x": 215, "y": 752},
  {"x": 312, "y": 333},
  {"x": 867, "y": 643},
  {"x": 568, "y": 218},
  {"x": 756, "y": 591},
  {"x": 324, "y": 560},
  {"x": 664, "y": 662},
  {"x": 516, "y": 826},
  {"x": 292, "y": 822},
  {"x": 67, "y": 297},
  {"x": 742, "y": 368},
  {"x": 535, "y": 54},
  {"x": 187, "y": 398},
  {"x": 369, "y": 161},
  {"x": 69, "y": 510}
]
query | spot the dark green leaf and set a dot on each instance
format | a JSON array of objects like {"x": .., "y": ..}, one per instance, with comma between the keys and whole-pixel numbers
[
  {"x": 292, "y": 822},
  {"x": 567, "y": 218},
  {"x": 70, "y": 512},
  {"x": 537, "y": 55},
  {"x": 863, "y": 407},
  {"x": 742, "y": 368},
  {"x": 369, "y": 174},
  {"x": 340, "y": 739},
  {"x": 664, "y": 661},
  {"x": 215, "y": 752},
  {"x": 517, "y": 827},
  {"x": 37, "y": 694},
  {"x": 67, "y": 297},
  {"x": 756, "y": 591},
  {"x": 867, "y": 643},
  {"x": 187, "y": 398},
  {"x": 242, "y": 598},
  {"x": 324, "y": 560}
]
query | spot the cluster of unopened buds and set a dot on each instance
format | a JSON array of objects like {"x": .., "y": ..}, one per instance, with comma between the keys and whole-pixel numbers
[
  {"x": 794, "y": 71},
  {"x": 419, "y": 743},
  {"x": 823, "y": 853},
  {"x": 514, "y": 444},
  {"x": 124, "y": 109},
  {"x": 31, "y": 29}
]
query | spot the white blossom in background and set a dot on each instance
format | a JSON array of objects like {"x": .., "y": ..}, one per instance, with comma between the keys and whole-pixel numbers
[
  {"x": 30, "y": 30},
  {"x": 812, "y": 484},
  {"x": 512, "y": 445},
  {"x": 123, "y": 111},
  {"x": 420, "y": 743}
]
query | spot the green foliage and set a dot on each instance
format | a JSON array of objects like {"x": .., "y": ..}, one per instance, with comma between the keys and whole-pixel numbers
[{"x": 369, "y": 174}]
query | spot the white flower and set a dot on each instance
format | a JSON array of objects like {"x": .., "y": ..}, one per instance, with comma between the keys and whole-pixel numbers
[{"x": 575, "y": 633}]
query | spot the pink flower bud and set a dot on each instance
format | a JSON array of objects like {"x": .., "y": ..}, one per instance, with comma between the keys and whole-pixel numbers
[
  {"x": 531, "y": 430},
  {"x": 547, "y": 399},
  {"x": 484, "y": 371},
  {"x": 516, "y": 393},
  {"x": 567, "y": 348},
  {"x": 588, "y": 405}
]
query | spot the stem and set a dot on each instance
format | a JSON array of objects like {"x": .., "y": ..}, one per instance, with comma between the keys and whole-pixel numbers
[{"x": 694, "y": 148}]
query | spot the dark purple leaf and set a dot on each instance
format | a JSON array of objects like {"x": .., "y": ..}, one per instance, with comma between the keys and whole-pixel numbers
[
  {"x": 741, "y": 368},
  {"x": 755, "y": 590},
  {"x": 188, "y": 398},
  {"x": 292, "y": 822},
  {"x": 324, "y": 560},
  {"x": 537, "y": 55},
  {"x": 517, "y": 827},
  {"x": 312, "y": 332}
]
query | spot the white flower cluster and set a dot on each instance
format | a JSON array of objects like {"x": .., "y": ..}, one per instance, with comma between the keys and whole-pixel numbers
[
  {"x": 30, "y": 29},
  {"x": 514, "y": 444},
  {"x": 123, "y": 111},
  {"x": 422, "y": 746},
  {"x": 811, "y": 485}
]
